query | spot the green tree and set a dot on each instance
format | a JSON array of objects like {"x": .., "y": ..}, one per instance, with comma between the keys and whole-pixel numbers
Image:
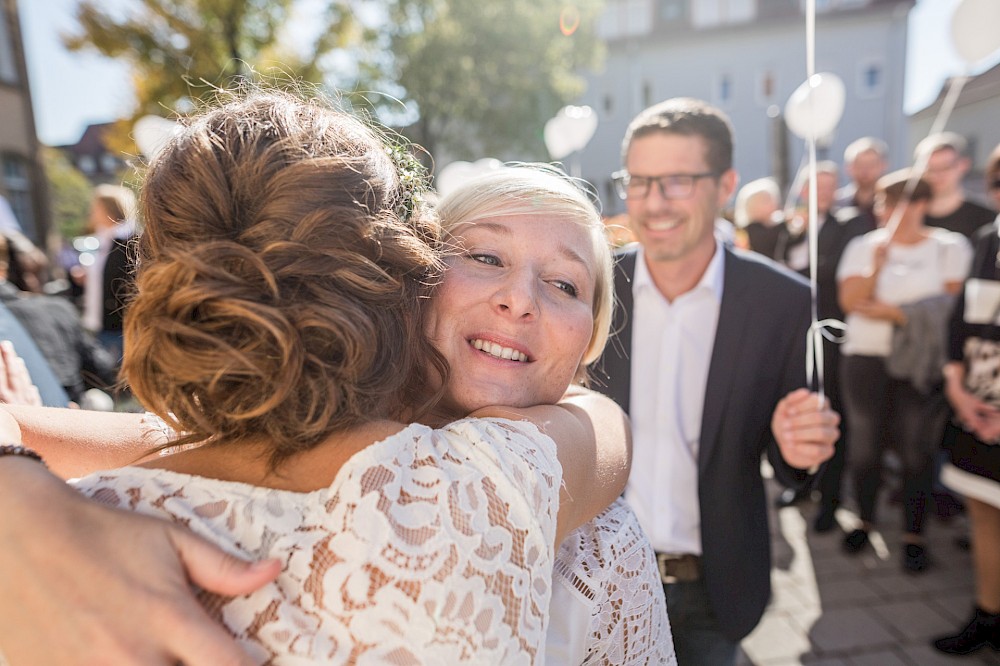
[
  {"x": 182, "y": 50},
  {"x": 481, "y": 77},
  {"x": 69, "y": 194}
]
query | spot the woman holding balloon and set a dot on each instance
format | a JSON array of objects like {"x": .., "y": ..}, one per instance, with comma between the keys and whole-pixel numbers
[{"x": 889, "y": 281}]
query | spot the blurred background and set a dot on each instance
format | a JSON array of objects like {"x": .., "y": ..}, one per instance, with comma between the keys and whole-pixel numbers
[{"x": 465, "y": 80}]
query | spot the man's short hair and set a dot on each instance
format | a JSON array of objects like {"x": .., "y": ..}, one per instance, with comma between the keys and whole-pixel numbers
[
  {"x": 941, "y": 141},
  {"x": 893, "y": 186},
  {"x": 863, "y": 145},
  {"x": 687, "y": 116}
]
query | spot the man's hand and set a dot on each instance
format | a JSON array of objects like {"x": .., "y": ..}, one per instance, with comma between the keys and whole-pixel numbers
[
  {"x": 805, "y": 429},
  {"x": 82, "y": 583}
]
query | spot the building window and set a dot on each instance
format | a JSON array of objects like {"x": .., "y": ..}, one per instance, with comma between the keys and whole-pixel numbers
[
  {"x": 17, "y": 183},
  {"x": 86, "y": 164},
  {"x": 723, "y": 89},
  {"x": 610, "y": 195},
  {"x": 672, "y": 11},
  {"x": 8, "y": 68},
  {"x": 625, "y": 18},
  {"x": 766, "y": 88},
  {"x": 713, "y": 13},
  {"x": 871, "y": 78},
  {"x": 109, "y": 163}
]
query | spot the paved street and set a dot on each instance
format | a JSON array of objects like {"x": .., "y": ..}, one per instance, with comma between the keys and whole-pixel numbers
[{"x": 832, "y": 609}]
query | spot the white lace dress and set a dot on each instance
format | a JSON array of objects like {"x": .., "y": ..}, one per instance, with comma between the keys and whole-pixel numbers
[
  {"x": 429, "y": 547},
  {"x": 608, "y": 606}
]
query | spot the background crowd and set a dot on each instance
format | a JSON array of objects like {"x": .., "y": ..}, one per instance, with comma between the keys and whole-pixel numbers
[{"x": 893, "y": 253}]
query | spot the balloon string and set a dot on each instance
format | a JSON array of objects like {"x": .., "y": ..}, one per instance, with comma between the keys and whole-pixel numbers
[
  {"x": 814, "y": 347},
  {"x": 955, "y": 86},
  {"x": 814, "y": 352}
]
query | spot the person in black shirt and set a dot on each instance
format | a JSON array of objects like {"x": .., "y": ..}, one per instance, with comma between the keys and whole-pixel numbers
[{"x": 947, "y": 165}]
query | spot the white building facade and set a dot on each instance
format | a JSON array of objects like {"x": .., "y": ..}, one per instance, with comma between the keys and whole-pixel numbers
[{"x": 747, "y": 57}]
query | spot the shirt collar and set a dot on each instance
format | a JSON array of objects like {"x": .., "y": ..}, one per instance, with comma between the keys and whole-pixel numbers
[{"x": 711, "y": 280}]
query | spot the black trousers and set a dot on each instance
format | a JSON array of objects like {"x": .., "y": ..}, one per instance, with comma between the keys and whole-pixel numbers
[{"x": 884, "y": 412}]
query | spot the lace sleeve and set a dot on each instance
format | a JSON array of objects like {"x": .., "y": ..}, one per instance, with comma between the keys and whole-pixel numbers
[
  {"x": 608, "y": 567},
  {"x": 524, "y": 456}
]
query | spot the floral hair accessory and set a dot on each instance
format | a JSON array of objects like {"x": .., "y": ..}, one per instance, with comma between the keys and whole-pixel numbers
[{"x": 412, "y": 179}]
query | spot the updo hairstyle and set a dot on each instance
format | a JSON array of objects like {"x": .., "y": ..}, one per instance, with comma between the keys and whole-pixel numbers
[
  {"x": 530, "y": 189},
  {"x": 279, "y": 277}
]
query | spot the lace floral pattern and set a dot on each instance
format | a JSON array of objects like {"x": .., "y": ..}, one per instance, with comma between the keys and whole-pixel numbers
[
  {"x": 429, "y": 547},
  {"x": 610, "y": 565}
]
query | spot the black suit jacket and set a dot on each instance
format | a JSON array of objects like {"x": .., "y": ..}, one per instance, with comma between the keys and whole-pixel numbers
[
  {"x": 757, "y": 358},
  {"x": 837, "y": 231},
  {"x": 117, "y": 283}
]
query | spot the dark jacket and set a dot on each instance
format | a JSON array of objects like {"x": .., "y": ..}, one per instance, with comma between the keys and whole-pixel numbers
[
  {"x": 757, "y": 358},
  {"x": 119, "y": 269},
  {"x": 75, "y": 357}
]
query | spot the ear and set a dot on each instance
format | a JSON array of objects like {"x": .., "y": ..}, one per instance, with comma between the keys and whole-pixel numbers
[
  {"x": 727, "y": 186},
  {"x": 964, "y": 164}
]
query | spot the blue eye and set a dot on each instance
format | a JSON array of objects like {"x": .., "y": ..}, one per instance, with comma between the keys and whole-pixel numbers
[
  {"x": 566, "y": 287},
  {"x": 488, "y": 259}
]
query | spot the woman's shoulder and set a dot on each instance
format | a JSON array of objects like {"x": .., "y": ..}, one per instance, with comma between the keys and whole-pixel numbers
[
  {"x": 502, "y": 441},
  {"x": 945, "y": 237}
]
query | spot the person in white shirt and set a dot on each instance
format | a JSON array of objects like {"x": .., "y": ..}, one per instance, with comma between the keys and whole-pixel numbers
[
  {"x": 109, "y": 276},
  {"x": 890, "y": 284},
  {"x": 708, "y": 359}
]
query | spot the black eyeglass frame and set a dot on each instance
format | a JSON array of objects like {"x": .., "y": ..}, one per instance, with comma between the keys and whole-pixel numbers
[{"x": 622, "y": 179}]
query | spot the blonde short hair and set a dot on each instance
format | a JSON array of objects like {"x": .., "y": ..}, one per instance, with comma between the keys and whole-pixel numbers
[
  {"x": 522, "y": 189},
  {"x": 749, "y": 192}
]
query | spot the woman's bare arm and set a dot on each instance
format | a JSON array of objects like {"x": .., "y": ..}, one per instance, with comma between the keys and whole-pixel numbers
[
  {"x": 594, "y": 445},
  {"x": 76, "y": 442}
]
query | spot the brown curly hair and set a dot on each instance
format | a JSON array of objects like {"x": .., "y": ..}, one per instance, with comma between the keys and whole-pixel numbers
[{"x": 279, "y": 278}]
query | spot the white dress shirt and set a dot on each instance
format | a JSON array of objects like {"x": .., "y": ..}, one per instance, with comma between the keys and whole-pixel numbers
[{"x": 671, "y": 351}]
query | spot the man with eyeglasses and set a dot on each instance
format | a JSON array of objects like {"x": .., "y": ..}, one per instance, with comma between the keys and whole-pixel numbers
[
  {"x": 947, "y": 165},
  {"x": 709, "y": 351}
]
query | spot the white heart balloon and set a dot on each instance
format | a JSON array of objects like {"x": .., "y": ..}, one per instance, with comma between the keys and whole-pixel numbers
[
  {"x": 816, "y": 106},
  {"x": 454, "y": 174},
  {"x": 151, "y": 133},
  {"x": 570, "y": 130},
  {"x": 975, "y": 29}
]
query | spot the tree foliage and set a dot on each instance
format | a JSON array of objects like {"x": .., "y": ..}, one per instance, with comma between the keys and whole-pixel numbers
[
  {"x": 483, "y": 77},
  {"x": 69, "y": 194},
  {"x": 475, "y": 77},
  {"x": 183, "y": 50}
]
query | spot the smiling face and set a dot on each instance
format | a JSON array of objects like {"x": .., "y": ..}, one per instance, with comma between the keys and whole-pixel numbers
[
  {"x": 676, "y": 229},
  {"x": 514, "y": 314}
]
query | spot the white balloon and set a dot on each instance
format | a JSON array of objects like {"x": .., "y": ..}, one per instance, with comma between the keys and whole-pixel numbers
[
  {"x": 816, "y": 106},
  {"x": 975, "y": 29},
  {"x": 151, "y": 133},
  {"x": 453, "y": 175},
  {"x": 570, "y": 130}
]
